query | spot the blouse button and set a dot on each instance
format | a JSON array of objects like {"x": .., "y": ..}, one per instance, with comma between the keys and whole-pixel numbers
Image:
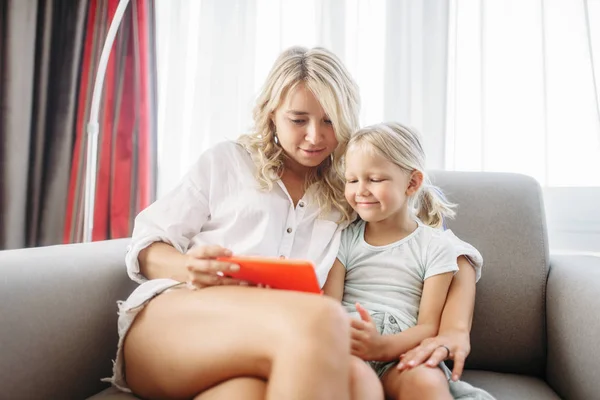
[
  {"x": 289, "y": 230},
  {"x": 301, "y": 204}
]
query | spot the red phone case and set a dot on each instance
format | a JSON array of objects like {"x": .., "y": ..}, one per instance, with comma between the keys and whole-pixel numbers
[{"x": 278, "y": 273}]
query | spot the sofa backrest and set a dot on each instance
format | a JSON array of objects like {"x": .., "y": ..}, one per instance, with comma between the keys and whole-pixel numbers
[{"x": 502, "y": 215}]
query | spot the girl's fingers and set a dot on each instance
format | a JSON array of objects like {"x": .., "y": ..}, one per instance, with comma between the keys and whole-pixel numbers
[
  {"x": 358, "y": 324},
  {"x": 359, "y": 335},
  {"x": 357, "y": 347},
  {"x": 364, "y": 314}
]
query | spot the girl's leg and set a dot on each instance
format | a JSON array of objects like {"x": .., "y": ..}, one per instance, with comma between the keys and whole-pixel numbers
[
  {"x": 364, "y": 385},
  {"x": 419, "y": 383},
  {"x": 185, "y": 342},
  {"x": 236, "y": 388}
]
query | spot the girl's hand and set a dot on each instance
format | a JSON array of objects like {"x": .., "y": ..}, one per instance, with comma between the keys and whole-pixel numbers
[
  {"x": 451, "y": 345},
  {"x": 366, "y": 341},
  {"x": 204, "y": 270}
]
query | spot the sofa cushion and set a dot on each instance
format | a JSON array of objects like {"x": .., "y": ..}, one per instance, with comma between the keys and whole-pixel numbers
[
  {"x": 501, "y": 386},
  {"x": 503, "y": 216},
  {"x": 510, "y": 386},
  {"x": 58, "y": 318},
  {"x": 113, "y": 394}
]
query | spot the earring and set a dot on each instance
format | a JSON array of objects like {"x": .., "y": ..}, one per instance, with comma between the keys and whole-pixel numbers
[{"x": 275, "y": 138}]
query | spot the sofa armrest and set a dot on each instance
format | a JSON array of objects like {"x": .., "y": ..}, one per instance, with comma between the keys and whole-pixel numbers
[
  {"x": 573, "y": 324},
  {"x": 58, "y": 318}
]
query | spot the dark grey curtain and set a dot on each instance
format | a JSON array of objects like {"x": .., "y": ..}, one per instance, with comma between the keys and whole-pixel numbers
[{"x": 41, "y": 45}]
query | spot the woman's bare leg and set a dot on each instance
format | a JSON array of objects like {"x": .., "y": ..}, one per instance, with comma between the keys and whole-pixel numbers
[
  {"x": 236, "y": 388},
  {"x": 364, "y": 385},
  {"x": 185, "y": 342}
]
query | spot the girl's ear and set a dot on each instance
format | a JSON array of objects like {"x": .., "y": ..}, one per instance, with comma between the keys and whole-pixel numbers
[{"x": 414, "y": 183}]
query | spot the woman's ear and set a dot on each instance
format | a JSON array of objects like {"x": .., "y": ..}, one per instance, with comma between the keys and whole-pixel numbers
[{"x": 414, "y": 183}]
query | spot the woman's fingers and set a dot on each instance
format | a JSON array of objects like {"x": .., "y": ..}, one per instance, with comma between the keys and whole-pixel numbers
[
  {"x": 232, "y": 281},
  {"x": 209, "y": 252},
  {"x": 211, "y": 266},
  {"x": 437, "y": 356},
  {"x": 459, "y": 365},
  {"x": 454, "y": 346},
  {"x": 202, "y": 279},
  {"x": 416, "y": 356}
]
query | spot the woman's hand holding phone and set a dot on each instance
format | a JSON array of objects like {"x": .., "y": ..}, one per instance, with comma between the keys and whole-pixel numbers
[{"x": 205, "y": 270}]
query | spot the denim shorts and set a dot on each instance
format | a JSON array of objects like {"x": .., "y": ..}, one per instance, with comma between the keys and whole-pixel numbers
[{"x": 388, "y": 324}]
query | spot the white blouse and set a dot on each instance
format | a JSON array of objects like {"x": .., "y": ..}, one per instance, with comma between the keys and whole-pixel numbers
[{"x": 219, "y": 202}]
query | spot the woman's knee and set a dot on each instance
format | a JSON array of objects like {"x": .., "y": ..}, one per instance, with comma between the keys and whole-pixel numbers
[
  {"x": 324, "y": 318},
  {"x": 320, "y": 325}
]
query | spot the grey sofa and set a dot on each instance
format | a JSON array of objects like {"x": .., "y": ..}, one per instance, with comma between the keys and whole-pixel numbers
[{"x": 536, "y": 325}]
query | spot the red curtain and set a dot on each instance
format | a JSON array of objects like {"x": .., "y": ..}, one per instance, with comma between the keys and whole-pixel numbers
[{"x": 126, "y": 173}]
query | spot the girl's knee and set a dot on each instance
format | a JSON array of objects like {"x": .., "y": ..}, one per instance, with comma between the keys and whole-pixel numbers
[
  {"x": 364, "y": 381},
  {"x": 423, "y": 382}
]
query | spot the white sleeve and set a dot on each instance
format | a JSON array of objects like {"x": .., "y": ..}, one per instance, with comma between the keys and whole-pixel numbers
[
  {"x": 462, "y": 248},
  {"x": 331, "y": 253},
  {"x": 440, "y": 257},
  {"x": 174, "y": 218}
]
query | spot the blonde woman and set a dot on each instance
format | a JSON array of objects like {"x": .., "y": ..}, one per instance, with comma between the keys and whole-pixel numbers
[
  {"x": 395, "y": 265},
  {"x": 187, "y": 330}
]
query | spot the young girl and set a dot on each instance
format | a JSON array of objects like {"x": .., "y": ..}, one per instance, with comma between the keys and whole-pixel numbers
[{"x": 394, "y": 264}]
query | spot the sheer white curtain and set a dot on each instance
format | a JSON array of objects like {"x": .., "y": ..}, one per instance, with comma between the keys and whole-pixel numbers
[
  {"x": 523, "y": 97},
  {"x": 213, "y": 55}
]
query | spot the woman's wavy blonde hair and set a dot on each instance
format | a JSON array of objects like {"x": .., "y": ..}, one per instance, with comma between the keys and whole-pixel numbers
[
  {"x": 402, "y": 146},
  {"x": 326, "y": 77}
]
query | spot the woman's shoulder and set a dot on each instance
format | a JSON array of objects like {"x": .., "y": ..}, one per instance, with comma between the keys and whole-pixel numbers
[
  {"x": 227, "y": 148},
  {"x": 227, "y": 153}
]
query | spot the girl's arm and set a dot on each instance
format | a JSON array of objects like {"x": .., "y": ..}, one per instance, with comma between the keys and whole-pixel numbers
[
  {"x": 455, "y": 325},
  {"x": 435, "y": 289},
  {"x": 334, "y": 286}
]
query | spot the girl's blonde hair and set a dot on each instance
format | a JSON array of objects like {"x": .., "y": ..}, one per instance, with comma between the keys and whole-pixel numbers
[
  {"x": 326, "y": 77},
  {"x": 402, "y": 146}
]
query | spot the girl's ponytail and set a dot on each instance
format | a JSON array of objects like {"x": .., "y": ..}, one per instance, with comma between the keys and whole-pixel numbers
[{"x": 432, "y": 207}]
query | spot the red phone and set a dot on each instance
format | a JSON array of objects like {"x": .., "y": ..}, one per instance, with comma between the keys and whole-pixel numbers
[{"x": 277, "y": 273}]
